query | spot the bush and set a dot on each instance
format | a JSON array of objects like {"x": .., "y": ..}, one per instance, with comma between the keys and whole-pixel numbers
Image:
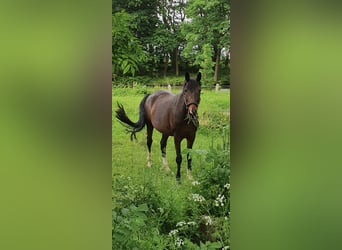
[
  {"x": 131, "y": 81},
  {"x": 212, "y": 123},
  {"x": 209, "y": 205},
  {"x": 135, "y": 215}
]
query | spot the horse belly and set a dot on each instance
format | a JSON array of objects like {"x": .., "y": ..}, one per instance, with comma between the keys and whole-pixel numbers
[
  {"x": 159, "y": 107},
  {"x": 161, "y": 121}
]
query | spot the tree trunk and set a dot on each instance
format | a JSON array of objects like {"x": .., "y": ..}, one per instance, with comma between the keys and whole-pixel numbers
[
  {"x": 217, "y": 64},
  {"x": 176, "y": 62},
  {"x": 166, "y": 64}
]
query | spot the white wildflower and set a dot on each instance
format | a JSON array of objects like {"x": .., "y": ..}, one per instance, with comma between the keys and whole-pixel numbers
[
  {"x": 161, "y": 210},
  {"x": 219, "y": 201},
  {"x": 198, "y": 197},
  {"x": 180, "y": 224},
  {"x": 227, "y": 186},
  {"x": 173, "y": 232},
  {"x": 208, "y": 220},
  {"x": 225, "y": 247},
  {"x": 195, "y": 183},
  {"x": 226, "y": 218},
  {"x": 179, "y": 242},
  {"x": 192, "y": 223}
]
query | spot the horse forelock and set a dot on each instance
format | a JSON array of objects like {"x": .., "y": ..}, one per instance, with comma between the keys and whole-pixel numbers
[{"x": 192, "y": 84}]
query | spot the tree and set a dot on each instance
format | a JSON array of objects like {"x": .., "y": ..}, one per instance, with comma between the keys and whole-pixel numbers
[
  {"x": 204, "y": 60},
  {"x": 172, "y": 14},
  {"x": 208, "y": 24},
  {"x": 153, "y": 33},
  {"x": 127, "y": 52},
  {"x": 143, "y": 20},
  {"x": 163, "y": 42}
]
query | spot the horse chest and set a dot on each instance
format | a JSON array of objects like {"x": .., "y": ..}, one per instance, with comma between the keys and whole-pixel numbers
[{"x": 185, "y": 130}]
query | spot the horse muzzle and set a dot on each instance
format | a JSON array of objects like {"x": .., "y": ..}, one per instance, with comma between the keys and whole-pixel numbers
[
  {"x": 191, "y": 116},
  {"x": 192, "y": 108}
]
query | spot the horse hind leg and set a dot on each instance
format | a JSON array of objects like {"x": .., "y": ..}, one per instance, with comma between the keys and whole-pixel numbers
[
  {"x": 149, "y": 144},
  {"x": 163, "y": 143},
  {"x": 148, "y": 159}
]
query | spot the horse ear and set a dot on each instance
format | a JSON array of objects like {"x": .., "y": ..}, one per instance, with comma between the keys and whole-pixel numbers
[
  {"x": 187, "y": 76},
  {"x": 199, "y": 76}
]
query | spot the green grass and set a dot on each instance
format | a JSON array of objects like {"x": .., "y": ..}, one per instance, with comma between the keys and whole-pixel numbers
[{"x": 129, "y": 161}]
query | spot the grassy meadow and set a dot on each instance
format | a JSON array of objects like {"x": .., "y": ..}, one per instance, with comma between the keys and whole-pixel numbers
[{"x": 152, "y": 211}]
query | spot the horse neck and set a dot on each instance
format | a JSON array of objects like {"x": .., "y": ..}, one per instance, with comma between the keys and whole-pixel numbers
[{"x": 180, "y": 108}]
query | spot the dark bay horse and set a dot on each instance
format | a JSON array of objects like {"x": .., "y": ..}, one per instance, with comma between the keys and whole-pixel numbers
[{"x": 172, "y": 115}]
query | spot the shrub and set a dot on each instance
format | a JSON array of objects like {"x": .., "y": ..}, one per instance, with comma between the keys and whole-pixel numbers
[
  {"x": 120, "y": 82},
  {"x": 133, "y": 215}
]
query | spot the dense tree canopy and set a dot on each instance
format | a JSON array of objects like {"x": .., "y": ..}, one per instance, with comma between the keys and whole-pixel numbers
[
  {"x": 160, "y": 37},
  {"x": 127, "y": 52}
]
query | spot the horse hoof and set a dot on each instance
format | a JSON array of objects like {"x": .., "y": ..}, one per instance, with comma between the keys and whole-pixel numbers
[
  {"x": 178, "y": 180},
  {"x": 189, "y": 175},
  {"x": 169, "y": 173},
  {"x": 165, "y": 164}
]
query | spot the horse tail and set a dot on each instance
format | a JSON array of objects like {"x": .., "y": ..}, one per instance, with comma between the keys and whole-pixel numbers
[{"x": 132, "y": 127}]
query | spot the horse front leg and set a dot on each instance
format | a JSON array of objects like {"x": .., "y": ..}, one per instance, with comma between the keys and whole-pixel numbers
[
  {"x": 163, "y": 143},
  {"x": 177, "y": 141},
  {"x": 190, "y": 142}
]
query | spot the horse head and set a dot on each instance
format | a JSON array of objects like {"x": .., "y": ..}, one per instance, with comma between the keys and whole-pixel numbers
[{"x": 192, "y": 93}]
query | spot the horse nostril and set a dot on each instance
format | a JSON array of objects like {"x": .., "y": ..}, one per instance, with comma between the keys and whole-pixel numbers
[{"x": 192, "y": 109}]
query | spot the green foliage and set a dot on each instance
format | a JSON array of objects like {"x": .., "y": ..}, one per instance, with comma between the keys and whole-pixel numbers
[
  {"x": 127, "y": 224},
  {"x": 205, "y": 61},
  {"x": 164, "y": 39},
  {"x": 209, "y": 26},
  {"x": 210, "y": 21},
  {"x": 127, "y": 53},
  {"x": 131, "y": 81},
  {"x": 133, "y": 206},
  {"x": 149, "y": 36},
  {"x": 212, "y": 121},
  {"x": 211, "y": 199}
]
